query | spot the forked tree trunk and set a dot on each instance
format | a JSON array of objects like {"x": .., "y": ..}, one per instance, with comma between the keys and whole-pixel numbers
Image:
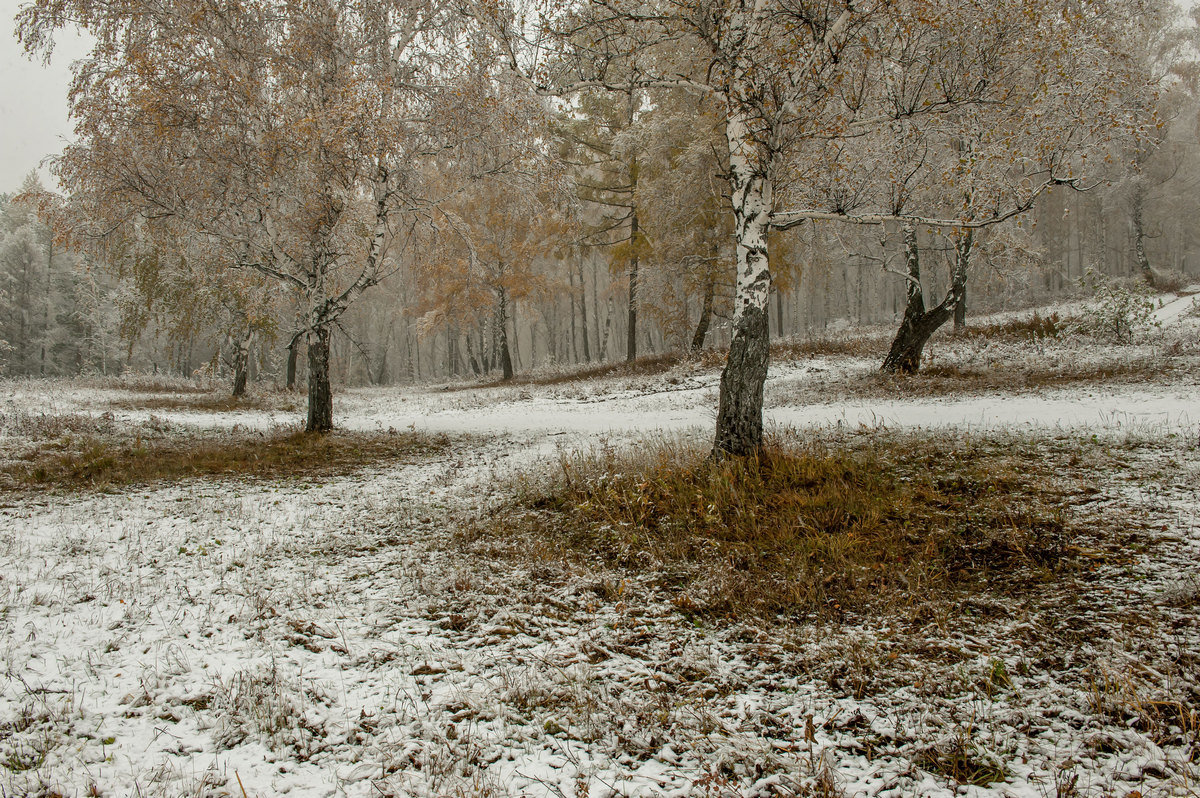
[
  {"x": 739, "y": 412},
  {"x": 320, "y": 393},
  {"x": 706, "y": 310},
  {"x": 471, "y": 356},
  {"x": 919, "y": 324}
]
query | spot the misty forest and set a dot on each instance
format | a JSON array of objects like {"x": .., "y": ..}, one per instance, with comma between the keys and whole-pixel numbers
[{"x": 605, "y": 398}]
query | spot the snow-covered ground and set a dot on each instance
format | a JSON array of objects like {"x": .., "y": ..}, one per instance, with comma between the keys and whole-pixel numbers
[{"x": 329, "y": 637}]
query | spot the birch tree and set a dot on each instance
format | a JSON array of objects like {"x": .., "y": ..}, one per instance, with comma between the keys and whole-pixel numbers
[
  {"x": 288, "y": 136},
  {"x": 787, "y": 76}
]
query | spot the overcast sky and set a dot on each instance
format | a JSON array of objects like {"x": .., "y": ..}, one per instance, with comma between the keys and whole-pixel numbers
[{"x": 33, "y": 102}]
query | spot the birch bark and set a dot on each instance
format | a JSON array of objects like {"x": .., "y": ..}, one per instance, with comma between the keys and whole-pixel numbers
[{"x": 739, "y": 413}]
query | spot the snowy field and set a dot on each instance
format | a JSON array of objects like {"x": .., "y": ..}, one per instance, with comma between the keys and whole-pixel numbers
[{"x": 329, "y": 636}]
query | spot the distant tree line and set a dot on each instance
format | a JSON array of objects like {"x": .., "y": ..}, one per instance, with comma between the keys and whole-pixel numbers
[{"x": 395, "y": 191}]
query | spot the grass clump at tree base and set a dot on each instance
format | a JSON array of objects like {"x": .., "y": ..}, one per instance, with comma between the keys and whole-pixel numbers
[{"x": 807, "y": 528}]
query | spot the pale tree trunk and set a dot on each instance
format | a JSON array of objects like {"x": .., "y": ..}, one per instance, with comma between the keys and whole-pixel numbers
[
  {"x": 919, "y": 324},
  {"x": 960, "y": 310},
  {"x": 241, "y": 363},
  {"x": 739, "y": 412},
  {"x": 631, "y": 333},
  {"x": 1139, "y": 232},
  {"x": 574, "y": 328},
  {"x": 515, "y": 341},
  {"x": 583, "y": 317},
  {"x": 320, "y": 393},
  {"x": 607, "y": 330}
]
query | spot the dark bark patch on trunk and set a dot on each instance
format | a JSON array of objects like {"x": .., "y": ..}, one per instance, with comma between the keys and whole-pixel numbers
[
  {"x": 320, "y": 393},
  {"x": 706, "y": 312},
  {"x": 739, "y": 413}
]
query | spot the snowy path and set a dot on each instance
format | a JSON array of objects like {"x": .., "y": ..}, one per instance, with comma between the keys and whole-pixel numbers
[{"x": 590, "y": 412}]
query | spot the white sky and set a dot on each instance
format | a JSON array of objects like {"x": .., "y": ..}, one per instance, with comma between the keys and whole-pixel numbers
[{"x": 33, "y": 102}]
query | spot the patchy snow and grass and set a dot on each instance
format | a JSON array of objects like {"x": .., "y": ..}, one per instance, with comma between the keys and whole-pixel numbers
[{"x": 313, "y": 635}]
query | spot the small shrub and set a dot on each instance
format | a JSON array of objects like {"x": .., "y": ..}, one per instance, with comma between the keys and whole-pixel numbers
[
  {"x": 1119, "y": 309},
  {"x": 1171, "y": 281}
]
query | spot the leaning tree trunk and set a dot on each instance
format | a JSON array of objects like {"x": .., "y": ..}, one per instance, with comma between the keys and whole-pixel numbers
[
  {"x": 241, "y": 364},
  {"x": 739, "y": 412},
  {"x": 919, "y": 324},
  {"x": 706, "y": 312},
  {"x": 320, "y": 394}
]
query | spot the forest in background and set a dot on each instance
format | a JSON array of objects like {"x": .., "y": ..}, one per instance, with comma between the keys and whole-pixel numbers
[
  {"x": 66, "y": 314},
  {"x": 616, "y": 242}
]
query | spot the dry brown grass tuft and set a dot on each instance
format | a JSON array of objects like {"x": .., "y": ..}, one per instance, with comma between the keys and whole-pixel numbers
[
  {"x": 939, "y": 379},
  {"x": 208, "y": 402},
  {"x": 643, "y": 366},
  {"x": 155, "y": 383},
  {"x": 809, "y": 528},
  {"x": 107, "y": 455},
  {"x": 1027, "y": 328},
  {"x": 873, "y": 344},
  {"x": 865, "y": 344}
]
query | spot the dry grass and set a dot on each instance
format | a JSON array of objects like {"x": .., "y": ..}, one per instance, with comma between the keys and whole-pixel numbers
[
  {"x": 209, "y": 402},
  {"x": 1171, "y": 280},
  {"x": 871, "y": 343},
  {"x": 157, "y": 383},
  {"x": 811, "y": 528},
  {"x": 81, "y": 453},
  {"x": 643, "y": 366},
  {"x": 949, "y": 379},
  {"x": 1026, "y": 328}
]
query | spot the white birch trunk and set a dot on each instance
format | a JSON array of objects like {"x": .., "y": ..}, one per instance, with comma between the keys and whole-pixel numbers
[{"x": 739, "y": 415}]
